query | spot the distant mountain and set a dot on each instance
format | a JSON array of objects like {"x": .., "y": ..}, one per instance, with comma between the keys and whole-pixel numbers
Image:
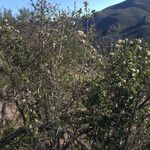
[{"x": 130, "y": 18}]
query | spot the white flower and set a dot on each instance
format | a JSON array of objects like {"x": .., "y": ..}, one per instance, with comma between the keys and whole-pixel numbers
[
  {"x": 73, "y": 23},
  {"x": 23, "y": 100},
  {"x": 36, "y": 120},
  {"x": 36, "y": 132},
  {"x": 126, "y": 39},
  {"x": 5, "y": 20},
  {"x": 139, "y": 47},
  {"x": 48, "y": 71},
  {"x": 53, "y": 108},
  {"x": 131, "y": 42},
  {"x": 83, "y": 41},
  {"x": 65, "y": 37},
  {"x": 81, "y": 34},
  {"x": 139, "y": 41},
  {"x": 148, "y": 53},
  {"x": 30, "y": 110},
  {"x": 17, "y": 31},
  {"x": 9, "y": 27},
  {"x": 34, "y": 112},
  {"x": 123, "y": 112},
  {"x": 131, "y": 97},
  {"x": 29, "y": 91},
  {"x": 20, "y": 38},
  {"x": 123, "y": 41},
  {"x": 117, "y": 46},
  {"x": 54, "y": 45},
  {"x": 119, "y": 41},
  {"x": 94, "y": 50},
  {"x": 30, "y": 126},
  {"x": 112, "y": 54},
  {"x": 124, "y": 80},
  {"x": 137, "y": 71},
  {"x": 133, "y": 74},
  {"x": 93, "y": 57},
  {"x": 133, "y": 70},
  {"x": 46, "y": 64},
  {"x": 119, "y": 84}
]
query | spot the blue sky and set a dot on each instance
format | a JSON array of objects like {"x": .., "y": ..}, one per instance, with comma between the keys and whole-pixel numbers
[{"x": 93, "y": 4}]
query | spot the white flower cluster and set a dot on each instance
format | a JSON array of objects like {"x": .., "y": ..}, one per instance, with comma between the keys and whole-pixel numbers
[
  {"x": 120, "y": 43},
  {"x": 139, "y": 41},
  {"x": 139, "y": 47},
  {"x": 130, "y": 42},
  {"x": 134, "y": 72},
  {"x": 5, "y": 20},
  {"x": 117, "y": 46},
  {"x": 65, "y": 38},
  {"x": 73, "y": 23},
  {"x": 81, "y": 34},
  {"x": 112, "y": 54},
  {"x": 8, "y": 27},
  {"x": 93, "y": 49},
  {"x": 148, "y": 53},
  {"x": 54, "y": 45}
]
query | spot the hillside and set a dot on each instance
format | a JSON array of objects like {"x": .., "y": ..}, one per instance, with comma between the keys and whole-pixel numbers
[{"x": 130, "y": 18}]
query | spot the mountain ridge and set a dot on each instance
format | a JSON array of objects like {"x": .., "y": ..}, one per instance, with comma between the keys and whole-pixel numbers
[{"x": 126, "y": 19}]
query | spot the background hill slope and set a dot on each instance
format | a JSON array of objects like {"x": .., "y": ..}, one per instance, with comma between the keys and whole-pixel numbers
[{"x": 130, "y": 18}]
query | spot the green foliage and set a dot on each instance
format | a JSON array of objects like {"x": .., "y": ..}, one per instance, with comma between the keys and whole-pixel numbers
[{"x": 67, "y": 95}]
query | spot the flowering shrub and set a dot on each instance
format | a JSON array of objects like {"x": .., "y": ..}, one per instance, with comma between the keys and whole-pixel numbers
[
  {"x": 129, "y": 84},
  {"x": 67, "y": 95}
]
